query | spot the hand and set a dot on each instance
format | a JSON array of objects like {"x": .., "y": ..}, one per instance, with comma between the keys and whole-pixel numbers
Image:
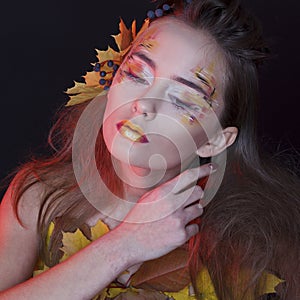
[{"x": 158, "y": 223}]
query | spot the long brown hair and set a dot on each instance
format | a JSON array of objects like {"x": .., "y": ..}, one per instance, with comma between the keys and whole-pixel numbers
[
  {"x": 253, "y": 220},
  {"x": 252, "y": 224}
]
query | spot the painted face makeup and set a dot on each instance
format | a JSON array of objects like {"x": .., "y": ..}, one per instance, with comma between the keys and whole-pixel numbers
[
  {"x": 131, "y": 131},
  {"x": 190, "y": 103},
  {"x": 171, "y": 78},
  {"x": 208, "y": 84},
  {"x": 149, "y": 41},
  {"x": 135, "y": 70}
]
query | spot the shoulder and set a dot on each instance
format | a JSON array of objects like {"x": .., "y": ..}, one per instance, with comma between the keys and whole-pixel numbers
[
  {"x": 19, "y": 238},
  {"x": 28, "y": 206}
]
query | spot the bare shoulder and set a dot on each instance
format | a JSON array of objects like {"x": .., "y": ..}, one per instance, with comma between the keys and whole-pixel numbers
[{"x": 19, "y": 241}]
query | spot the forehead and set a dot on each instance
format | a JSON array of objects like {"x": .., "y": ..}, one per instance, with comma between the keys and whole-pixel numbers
[{"x": 179, "y": 48}]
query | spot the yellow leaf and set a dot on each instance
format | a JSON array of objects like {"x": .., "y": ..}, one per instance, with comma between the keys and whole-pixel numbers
[
  {"x": 99, "y": 230},
  {"x": 49, "y": 233},
  {"x": 268, "y": 283},
  {"x": 92, "y": 78},
  {"x": 82, "y": 92},
  {"x": 73, "y": 242},
  {"x": 109, "y": 54},
  {"x": 205, "y": 285},
  {"x": 87, "y": 93},
  {"x": 181, "y": 295}
]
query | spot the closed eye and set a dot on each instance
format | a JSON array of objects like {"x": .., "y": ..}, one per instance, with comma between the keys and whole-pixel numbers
[
  {"x": 183, "y": 105},
  {"x": 134, "y": 77}
]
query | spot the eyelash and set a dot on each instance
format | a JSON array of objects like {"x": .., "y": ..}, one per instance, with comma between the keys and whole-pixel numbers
[
  {"x": 134, "y": 77},
  {"x": 180, "y": 105},
  {"x": 140, "y": 80},
  {"x": 208, "y": 100}
]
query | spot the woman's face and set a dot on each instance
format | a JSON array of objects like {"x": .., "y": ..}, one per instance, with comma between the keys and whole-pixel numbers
[{"x": 166, "y": 94}]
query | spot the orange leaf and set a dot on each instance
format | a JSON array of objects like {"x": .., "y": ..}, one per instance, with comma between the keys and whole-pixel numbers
[{"x": 124, "y": 38}]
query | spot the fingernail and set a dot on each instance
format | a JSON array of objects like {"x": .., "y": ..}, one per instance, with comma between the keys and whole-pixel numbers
[
  {"x": 202, "y": 195},
  {"x": 213, "y": 166},
  {"x": 200, "y": 206}
]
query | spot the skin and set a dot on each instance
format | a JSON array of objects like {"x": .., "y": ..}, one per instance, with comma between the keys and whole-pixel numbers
[
  {"x": 127, "y": 244},
  {"x": 166, "y": 98}
]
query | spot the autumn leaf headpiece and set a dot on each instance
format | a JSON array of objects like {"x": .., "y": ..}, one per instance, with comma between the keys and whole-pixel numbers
[{"x": 97, "y": 81}]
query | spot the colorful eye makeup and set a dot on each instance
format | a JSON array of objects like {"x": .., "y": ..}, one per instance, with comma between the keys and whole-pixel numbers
[
  {"x": 190, "y": 104},
  {"x": 136, "y": 70},
  {"x": 149, "y": 40},
  {"x": 191, "y": 100}
]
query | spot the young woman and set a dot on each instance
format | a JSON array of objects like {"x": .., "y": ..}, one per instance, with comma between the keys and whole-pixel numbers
[{"x": 185, "y": 91}]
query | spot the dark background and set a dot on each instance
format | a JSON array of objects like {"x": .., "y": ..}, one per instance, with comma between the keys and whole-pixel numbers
[{"x": 45, "y": 45}]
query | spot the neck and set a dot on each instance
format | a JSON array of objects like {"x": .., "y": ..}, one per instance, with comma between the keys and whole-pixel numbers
[{"x": 137, "y": 181}]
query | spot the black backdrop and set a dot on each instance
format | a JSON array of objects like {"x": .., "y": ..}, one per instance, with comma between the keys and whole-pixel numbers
[{"x": 45, "y": 45}]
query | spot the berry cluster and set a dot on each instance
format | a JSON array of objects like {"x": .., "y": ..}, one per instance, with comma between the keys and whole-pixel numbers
[
  {"x": 158, "y": 12},
  {"x": 105, "y": 80},
  {"x": 165, "y": 9}
]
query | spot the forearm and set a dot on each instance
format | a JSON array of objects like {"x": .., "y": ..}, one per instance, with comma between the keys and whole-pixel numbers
[{"x": 80, "y": 277}]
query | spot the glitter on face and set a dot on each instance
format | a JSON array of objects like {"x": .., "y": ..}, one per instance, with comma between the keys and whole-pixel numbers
[
  {"x": 135, "y": 70},
  {"x": 207, "y": 83},
  {"x": 149, "y": 40}
]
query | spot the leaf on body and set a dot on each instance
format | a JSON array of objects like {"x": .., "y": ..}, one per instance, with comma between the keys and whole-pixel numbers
[
  {"x": 75, "y": 241},
  {"x": 167, "y": 273},
  {"x": 140, "y": 295}
]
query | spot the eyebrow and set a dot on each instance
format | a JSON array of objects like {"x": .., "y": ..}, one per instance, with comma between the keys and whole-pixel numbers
[
  {"x": 179, "y": 79},
  {"x": 145, "y": 58}
]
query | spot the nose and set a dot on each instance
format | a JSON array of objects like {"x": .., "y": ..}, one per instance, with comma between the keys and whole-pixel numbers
[
  {"x": 145, "y": 107},
  {"x": 148, "y": 104}
]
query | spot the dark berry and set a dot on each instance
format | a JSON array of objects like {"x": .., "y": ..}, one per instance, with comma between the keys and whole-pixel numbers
[
  {"x": 110, "y": 63},
  {"x": 159, "y": 12},
  {"x": 151, "y": 14},
  {"x": 166, "y": 7},
  {"x": 102, "y": 81},
  {"x": 102, "y": 73},
  {"x": 115, "y": 67},
  {"x": 97, "y": 67}
]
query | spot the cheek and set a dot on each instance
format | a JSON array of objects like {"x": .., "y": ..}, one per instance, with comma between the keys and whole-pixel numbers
[{"x": 185, "y": 126}]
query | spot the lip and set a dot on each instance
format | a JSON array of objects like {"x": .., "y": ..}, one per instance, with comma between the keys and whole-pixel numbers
[{"x": 132, "y": 132}]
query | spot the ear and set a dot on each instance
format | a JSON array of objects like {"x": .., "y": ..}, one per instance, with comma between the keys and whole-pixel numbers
[{"x": 218, "y": 143}]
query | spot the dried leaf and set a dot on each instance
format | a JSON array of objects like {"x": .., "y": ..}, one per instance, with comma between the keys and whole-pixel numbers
[
  {"x": 268, "y": 283},
  {"x": 99, "y": 230},
  {"x": 124, "y": 38},
  {"x": 92, "y": 79},
  {"x": 82, "y": 92},
  {"x": 167, "y": 273},
  {"x": 140, "y": 295},
  {"x": 144, "y": 27},
  {"x": 109, "y": 54},
  {"x": 87, "y": 94},
  {"x": 205, "y": 285},
  {"x": 75, "y": 241}
]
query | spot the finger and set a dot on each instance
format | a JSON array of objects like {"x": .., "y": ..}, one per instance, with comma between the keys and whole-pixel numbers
[
  {"x": 191, "y": 176},
  {"x": 191, "y": 195},
  {"x": 191, "y": 230},
  {"x": 192, "y": 212}
]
